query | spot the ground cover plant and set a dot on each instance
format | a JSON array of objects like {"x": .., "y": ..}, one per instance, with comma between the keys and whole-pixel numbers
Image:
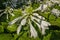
[{"x": 30, "y": 20}]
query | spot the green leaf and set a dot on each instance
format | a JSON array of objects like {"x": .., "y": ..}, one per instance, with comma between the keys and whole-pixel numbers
[
  {"x": 1, "y": 29},
  {"x": 12, "y": 28}
]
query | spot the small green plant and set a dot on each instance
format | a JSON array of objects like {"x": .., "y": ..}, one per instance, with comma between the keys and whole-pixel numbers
[
  {"x": 27, "y": 18},
  {"x": 31, "y": 20}
]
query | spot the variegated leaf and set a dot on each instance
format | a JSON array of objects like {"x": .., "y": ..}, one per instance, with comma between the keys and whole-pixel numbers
[
  {"x": 7, "y": 16},
  {"x": 56, "y": 12},
  {"x": 33, "y": 31},
  {"x": 37, "y": 24},
  {"x": 1, "y": 14},
  {"x": 23, "y": 22},
  {"x": 44, "y": 26},
  {"x": 19, "y": 29},
  {"x": 34, "y": 18},
  {"x": 40, "y": 17},
  {"x": 12, "y": 22},
  {"x": 15, "y": 20},
  {"x": 11, "y": 14},
  {"x": 42, "y": 7}
]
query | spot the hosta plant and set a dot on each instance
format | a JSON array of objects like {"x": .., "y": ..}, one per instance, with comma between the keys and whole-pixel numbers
[
  {"x": 29, "y": 16},
  {"x": 8, "y": 11}
]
